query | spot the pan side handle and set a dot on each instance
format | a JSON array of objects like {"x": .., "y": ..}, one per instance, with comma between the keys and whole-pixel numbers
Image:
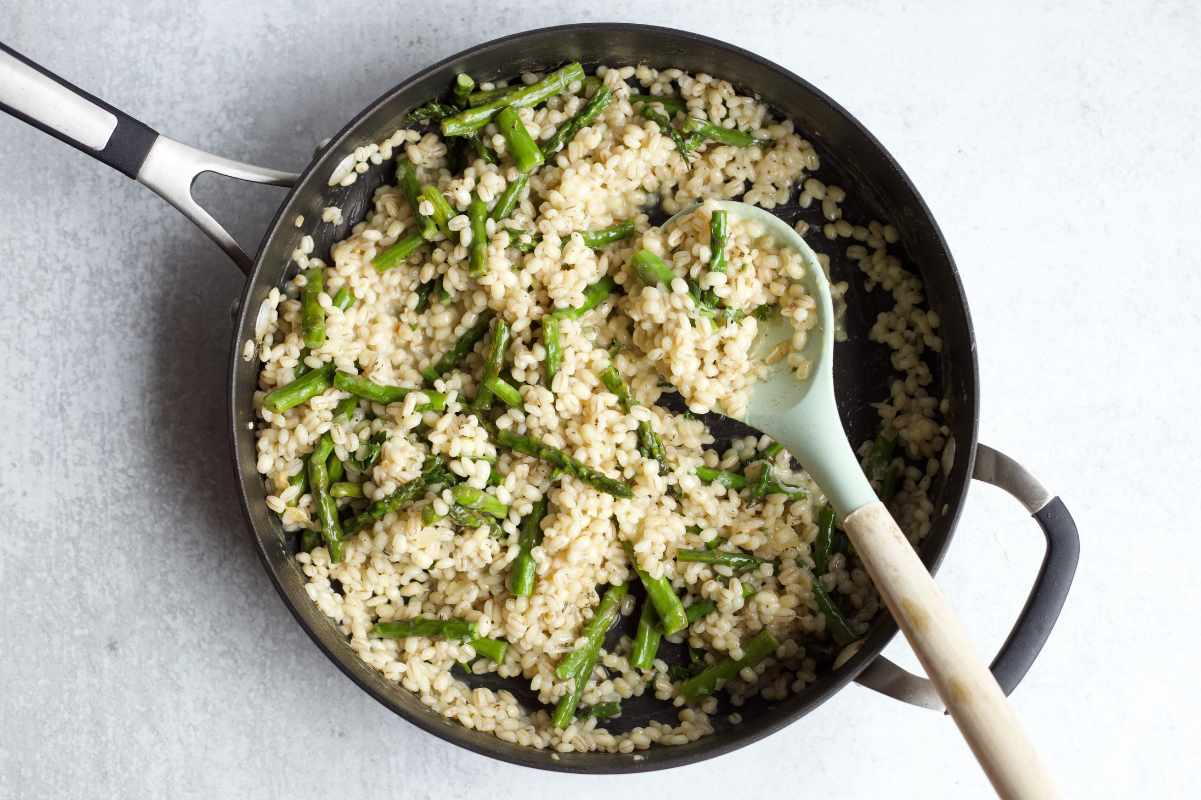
[{"x": 37, "y": 96}]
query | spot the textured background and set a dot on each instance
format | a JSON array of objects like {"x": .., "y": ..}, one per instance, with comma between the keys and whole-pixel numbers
[{"x": 146, "y": 654}]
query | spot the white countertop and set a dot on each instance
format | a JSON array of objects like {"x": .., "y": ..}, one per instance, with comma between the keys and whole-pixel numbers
[{"x": 147, "y": 654}]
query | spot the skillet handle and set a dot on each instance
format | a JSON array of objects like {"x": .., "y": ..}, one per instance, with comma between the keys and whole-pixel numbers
[
  {"x": 1046, "y": 599},
  {"x": 32, "y": 93}
]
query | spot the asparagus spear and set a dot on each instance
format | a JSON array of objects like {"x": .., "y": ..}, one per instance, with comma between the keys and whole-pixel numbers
[
  {"x": 406, "y": 176},
  {"x": 459, "y": 350},
  {"x": 823, "y": 545},
  {"x": 492, "y": 365},
  {"x": 468, "y": 518},
  {"x": 396, "y": 254},
  {"x": 606, "y": 710},
  {"x": 840, "y": 630},
  {"x": 336, "y": 470},
  {"x": 606, "y": 614},
  {"x": 646, "y": 638},
  {"x": 739, "y": 562},
  {"x": 434, "y": 472},
  {"x": 722, "y": 477},
  {"x": 477, "y": 212},
  {"x": 557, "y": 458},
  {"x": 523, "y": 241},
  {"x": 764, "y": 484},
  {"x": 672, "y": 105},
  {"x": 491, "y": 649},
  {"x": 312, "y": 315},
  {"x": 731, "y": 136},
  {"x": 526, "y": 154},
  {"x": 442, "y": 209},
  {"x": 477, "y": 116},
  {"x": 509, "y": 197},
  {"x": 375, "y": 446},
  {"x": 425, "y": 626},
  {"x": 327, "y": 511},
  {"x": 761, "y": 645},
  {"x": 683, "y": 146},
  {"x": 379, "y": 393},
  {"x": 521, "y": 578},
  {"x": 477, "y": 500},
  {"x": 343, "y": 299},
  {"x": 649, "y": 443},
  {"x": 766, "y": 454},
  {"x": 464, "y": 86},
  {"x": 550, "y": 341},
  {"x": 660, "y": 592},
  {"x": 487, "y": 95},
  {"x": 430, "y": 112},
  {"x": 594, "y": 295},
  {"x": 344, "y": 489},
  {"x": 651, "y": 269},
  {"x": 586, "y": 116},
  {"x": 719, "y": 233},
  {"x": 603, "y": 237},
  {"x": 299, "y": 391},
  {"x": 504, "y": 391}
]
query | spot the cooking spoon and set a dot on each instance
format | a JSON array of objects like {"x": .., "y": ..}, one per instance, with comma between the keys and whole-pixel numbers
[{"x": 802, "y": 416}]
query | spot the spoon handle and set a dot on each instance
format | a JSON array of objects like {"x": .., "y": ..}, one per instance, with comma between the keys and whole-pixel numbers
[{"x": 970, "y": 692}]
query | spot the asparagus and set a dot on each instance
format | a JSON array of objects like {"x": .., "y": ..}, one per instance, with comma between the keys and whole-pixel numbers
[
  {"x": 606, "y": 614},
  {"x": 477, "y": 116},
  {"x": 478, "y": 500},
  {"x": 526, "y": 154},
  {"x": 646, "y": 638},
  {"x": 764, "y": 484},
  {"x": 594, "y": 295},
  {"x": 564, "y": 711},
  {"x": 492, "y": 365},
  {"x": 442, "y": 209},
  {"x": 477, "y": 212},
  {"x": 425, "y": 626},
  {"x": 406, "y": 176},
  {"x": 312, "y": 315},
  {"x": 605, "y": 710},
  {"x": 486, "y": 95},
  {"x": 766, "y": 454},
  {"x": 659, "y": 591},
  {"x": 301, "y": 390},
  {"x": 344, "y": 489},
  {"x": 823, "y": 545},
  {"x": 840, "y": 630},
  {"x": 586, "y": 116},
  {"x": 375, "y": 446},
  {"x": 468, "y": 518},
  {"x": 451, "y": 358},
  {"x": 703, "y": 608},
  {"x": 504, "y": 391},
  {"x": 464, "y": 86},
  {"x": 336, "y": 470},
  {"x": 509, "y": 197},
  {"x": 432, "y": 111},
  {"x": 344, "y": 298},
  {"x": 327, "y": 511},
  {"x": 557, "y": 458},
  {"x": 424, "y": 292},
  {"x": 731, "y": 136},
  {"x": 672, "y": 105},
  {"x": 761, "y": 645},
  {"x": 683, "y": 146},
  {"x": 379, "y": 393},
  {"x": 518, "y": 240},
  {"x": 434, "y": 472},
  {"x": 722, "y": 477},
  {"x": 879, "y": 465},
  {"x": 604, "y": 237},
  {"x": 739, "y": 562},
  {"x": 649, "y": 443},
  {"x": 521, "y": 577},
  {"x": 651, "y": 269},
  {"x": 550, "y": 341},
  {"x": 491, "y": 649},
  {"x": 719, "y": 233},
  {"x": 396, "y": 254}
]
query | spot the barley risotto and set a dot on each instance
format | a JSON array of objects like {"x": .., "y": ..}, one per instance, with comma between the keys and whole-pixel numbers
[{"x": 466, "y": 409}]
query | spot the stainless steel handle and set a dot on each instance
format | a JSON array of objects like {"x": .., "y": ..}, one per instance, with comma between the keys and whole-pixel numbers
[
  {"x": 32, "y": 93},
  {"x": 1034, "y": 624}
]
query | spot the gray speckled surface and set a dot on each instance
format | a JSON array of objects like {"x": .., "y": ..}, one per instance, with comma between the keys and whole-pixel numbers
[{"x": 146, "y": 653}]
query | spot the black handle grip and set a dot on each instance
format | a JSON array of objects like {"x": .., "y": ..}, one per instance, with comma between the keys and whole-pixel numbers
[
  {"x": 1050, "y": 590},
  {"x": 127, "y": 145}
]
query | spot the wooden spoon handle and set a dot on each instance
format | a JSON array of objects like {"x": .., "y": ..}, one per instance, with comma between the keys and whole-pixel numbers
[{"x": 969, "y": 690}]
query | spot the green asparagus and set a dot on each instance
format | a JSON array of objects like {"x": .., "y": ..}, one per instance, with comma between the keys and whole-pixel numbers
[
  {"x": 432, "y": 111},
  {"x": 343, "y": 298},
  {"x": 487, "y": 95},
  {"x": 379, "y": 393},
  {"x": 606, "y": 710},
  {"x": 434, "y": 472},
  {"x": 739, "y": 562},
  {"x": 464, "y": 86},
  {"x": 497, "y": 347},
  {"x": 550, "y": 341},
  {"x": 327, "y": 511},
  {"x": 557, "y": 458},
  {"x": 672, "y": 105},
  {"x": 603, "y": 237},
  {"x": 478, "y": 500},
  {"x": 719, "y": 234},
  {"x": 594, "y": 295},
  {"x": 509, "y": 197},
  {"x": 760, "y": 646},
  {"x": 651, "y": 269},
  {"x": 522, "y": 147},
  {"x": 477, "y": 212},
  {"x": 722, "y": 477},
  {"x": 345, "y": 489},
  {"x": 823, "y": 545},
  {"x": 731, "y": 136},
  {"x": 586, "y": 116},
  {"x": 396, "y": 254},
  {"x": 504, "y": 391},
  {"x": 649, "y": 443},
  {"x": 522, "y": 576},
  {"x": 425, "y": 626},
  {"x": 312, "y": 315},
  {"x": 491, "y": 649},
  {"x": 373, "y": 449},
  {"x": 660, "y": 592},
  {"x": 646, "y": 638},
  {"x": 683, "y": 146},
  {"x": 464, "y": 345},
  {"x": 441, "y": 211},
  {"x": 765, "y": 483},
  {"x": 477, "y": 116},
  {"x": 836, "y": 624},
  {"x": 406, "y": 176},
  {"x": 301, "y": 390}
]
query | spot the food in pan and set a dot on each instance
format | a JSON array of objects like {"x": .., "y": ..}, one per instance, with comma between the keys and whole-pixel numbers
[{"x": 472, "y": 419}]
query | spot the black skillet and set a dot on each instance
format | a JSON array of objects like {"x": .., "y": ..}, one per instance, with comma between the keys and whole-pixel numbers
[{"x": 851, "y": 157}]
